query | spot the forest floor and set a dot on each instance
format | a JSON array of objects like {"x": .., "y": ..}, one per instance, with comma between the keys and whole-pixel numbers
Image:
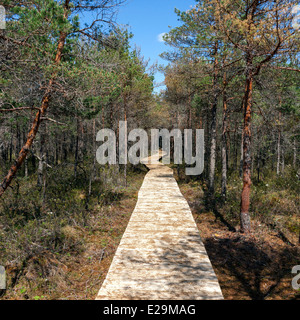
[
  {"x": 76, "y": 274},
  {"x": 248, "y": 267},
  {"x": 255, "y": 267}
]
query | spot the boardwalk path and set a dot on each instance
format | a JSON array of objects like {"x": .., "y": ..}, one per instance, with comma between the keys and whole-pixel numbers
[{"x": 161, "y": 255}]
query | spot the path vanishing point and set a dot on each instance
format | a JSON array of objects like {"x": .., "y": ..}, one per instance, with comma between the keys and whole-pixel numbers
[{"x": 161, "y": 255}]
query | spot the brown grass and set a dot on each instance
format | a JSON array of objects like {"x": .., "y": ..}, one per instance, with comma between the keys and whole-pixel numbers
[{"x": 76, "y": 275}]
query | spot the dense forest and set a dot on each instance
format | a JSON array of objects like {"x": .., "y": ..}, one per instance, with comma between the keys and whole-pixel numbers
[{"x": 233, "y": 70}]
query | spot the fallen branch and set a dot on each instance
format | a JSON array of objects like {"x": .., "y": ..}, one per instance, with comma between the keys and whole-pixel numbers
[
  {"x": 40, "y": 159},
  {"x": 19, "y": 109},
  {"x": 54, "y": 121},
  {"x": 280, "y": 234}
]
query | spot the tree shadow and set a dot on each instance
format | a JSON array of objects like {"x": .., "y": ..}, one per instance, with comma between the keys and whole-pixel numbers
[
  {"x": 210, "y": 205},
  {"x": 175, "y": 269},
  {"x": 251, "y": 270},
  {"x": 182, "y": 269}
]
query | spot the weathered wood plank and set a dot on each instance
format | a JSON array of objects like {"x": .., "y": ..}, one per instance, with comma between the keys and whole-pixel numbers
[{"x": 161, "y": 255}]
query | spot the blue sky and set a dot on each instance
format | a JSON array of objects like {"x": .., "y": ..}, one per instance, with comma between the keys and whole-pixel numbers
[{"x": 147, "y": 20}]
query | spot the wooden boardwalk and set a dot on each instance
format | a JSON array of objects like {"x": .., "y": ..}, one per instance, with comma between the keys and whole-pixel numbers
[{"x": 161, "y": 255}]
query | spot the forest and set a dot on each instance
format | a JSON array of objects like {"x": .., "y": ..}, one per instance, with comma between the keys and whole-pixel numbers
[{"x": 233, "y": 71}]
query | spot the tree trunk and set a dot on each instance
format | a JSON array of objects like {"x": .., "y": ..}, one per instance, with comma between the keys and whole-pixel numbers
[
  {"x": 245, "y": 197},
  {"x": 213, "y": 133},
  {"x": 228, "y": 142},
  {"x": 56, "y": 149},
  {"x": 78, "y": 147},
  {"x": 125, "y": 166},
  {"x": 11, "y": 143},
  {"x": 242, "y": 154},
  {"x": 283, "y": 160},
  {"x": 235, "y": 147},
  {"x": 26, "y": 159},
  {"x": 207, "y": 146},
  {"x": 92, "y": 175},
  {"x": 295, "y": 154},
  {"x": 40, "y": 178},
  {"x": 224, "y": 145},
  {"x": 258, "y": 165},
  {"x": 26, "y": 167},
  {"x": 213, "y": 147},
  {"x": 190, "y": 117},
  {"x": 279, "y": 146}
]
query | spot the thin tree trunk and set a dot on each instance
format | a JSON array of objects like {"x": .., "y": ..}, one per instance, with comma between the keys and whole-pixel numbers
[
  {"x": 41, "y": 163},
  {"x": 26, "y": 167},
  {"x": 76, "y": 149},
  {"x": 56, "y": 151},
  {"x": 26, "y": 159},
  {"x": 44, "y": 187},
  {"x": 224, "y": 145},
  {"x": 213, "y": 133},
  {"x": 64, "y": 149},
  {"x": 228, "y": 142},
  {"x": 295, "y": 154},
  {"x": 190, "y": 118},
  {"x": 279, "y": 146},
  {"x": 213, "y": 148},
  {"x": 253, "y": 157},
  {"x": 207, "y": 146},
  {"x": 125, "y": 166},
  {"x": 258, "y": 165},
  {"x": 92, "y": 175},
  {"x": 11, "y": 143},
  {"x": 245, "y": 196},
  {"x": 235, "y": 146},
  {"x": 18, "y": 142},
  {"x": 283, "y": 160},
  {"x": 242, "y": 154}
]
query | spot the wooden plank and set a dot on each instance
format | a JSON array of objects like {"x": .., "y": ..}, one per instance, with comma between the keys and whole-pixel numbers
[{"x": 161, "y": 255}]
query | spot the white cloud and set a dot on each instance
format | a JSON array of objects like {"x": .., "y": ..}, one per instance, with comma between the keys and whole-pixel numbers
[{"x": 160, "y": 37}]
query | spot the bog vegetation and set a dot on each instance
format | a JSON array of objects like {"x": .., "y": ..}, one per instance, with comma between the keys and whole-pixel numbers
[{"x": 233, "y": 71}]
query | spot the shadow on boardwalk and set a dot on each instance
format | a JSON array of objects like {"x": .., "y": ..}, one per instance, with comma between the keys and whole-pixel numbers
[
  {"x": 161, "y": 255},
  {"x": 171, "y": 272}
]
